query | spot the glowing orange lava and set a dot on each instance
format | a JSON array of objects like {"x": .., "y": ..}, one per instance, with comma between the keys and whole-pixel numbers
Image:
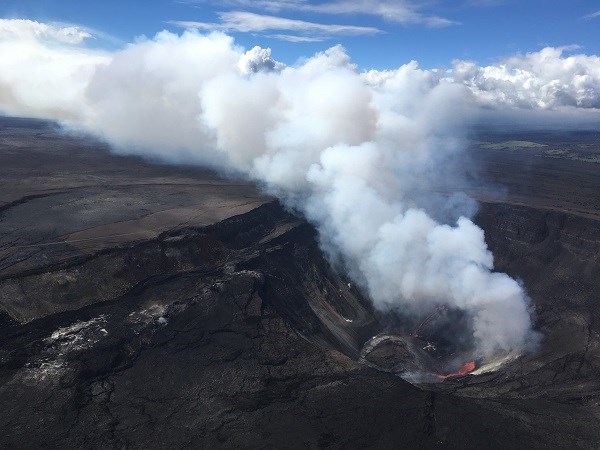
[{"x": 464, "y": 370}]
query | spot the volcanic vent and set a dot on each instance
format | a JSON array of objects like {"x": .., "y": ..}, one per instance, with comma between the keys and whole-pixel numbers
[{"x": 441, "y": 346}]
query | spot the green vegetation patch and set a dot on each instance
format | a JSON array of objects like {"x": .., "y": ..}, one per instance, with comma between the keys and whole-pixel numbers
[
  {"x": 589, "y": 159},
  {"x": 511, "y": 145},
  {"x": 565, "y": 154},
  {"x": 555, "y": 152}
]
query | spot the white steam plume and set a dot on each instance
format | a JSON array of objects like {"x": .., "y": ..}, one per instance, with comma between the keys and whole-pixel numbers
[{"x": 356, "y": 153}]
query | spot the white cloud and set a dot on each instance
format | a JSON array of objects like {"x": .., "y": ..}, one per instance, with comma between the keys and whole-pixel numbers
[
  {"x": 295, "y": 38},
  {"x": 539, "y": 80},
  {"x": 22, "y": 29},
  {"x": 398, "y": 11},
  {"x": 43, "y": 72},
  {"x": 259, "y": 59},
  {"x": 240, "y": 21},
  {"x": 593, "y": 15},
  {"x": 266, "y": 5},
  {"x": 394, "y": 11}
]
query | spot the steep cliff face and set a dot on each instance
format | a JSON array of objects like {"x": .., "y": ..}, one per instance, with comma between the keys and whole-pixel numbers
[
  {"x": 277, "y": 248},
  {"x": 557, "y": 255},
  {"x": 241, "y": 334}
]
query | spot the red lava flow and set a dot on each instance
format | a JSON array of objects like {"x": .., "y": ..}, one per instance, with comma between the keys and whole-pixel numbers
[{"x": 464, "y": 370}]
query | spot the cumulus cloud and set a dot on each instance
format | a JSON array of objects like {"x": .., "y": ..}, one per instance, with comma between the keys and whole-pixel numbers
[
  {"x": 259, "y": 60},
  {"x": 546, "y": 80},
  {"x": 359, "y": 154}
]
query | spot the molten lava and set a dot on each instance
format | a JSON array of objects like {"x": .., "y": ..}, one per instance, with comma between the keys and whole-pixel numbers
[{"x": 464, "y": 370}]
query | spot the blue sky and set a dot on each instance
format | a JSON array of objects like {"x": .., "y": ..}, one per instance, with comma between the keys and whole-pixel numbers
[{"x": 378, "y": 34}]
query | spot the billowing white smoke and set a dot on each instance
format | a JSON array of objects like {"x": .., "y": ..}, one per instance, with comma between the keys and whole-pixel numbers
[
  {"x": 40, "y": 74},
  {"x": 356, "y": 153}
]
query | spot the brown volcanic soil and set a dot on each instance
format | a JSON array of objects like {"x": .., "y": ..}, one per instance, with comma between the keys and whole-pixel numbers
[
  {"x": 62, "y": 197},
  {"x": 238, "y": 334}
]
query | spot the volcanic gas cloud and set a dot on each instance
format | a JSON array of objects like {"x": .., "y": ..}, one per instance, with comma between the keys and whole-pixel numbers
[{"x": 359, "y": 154}]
